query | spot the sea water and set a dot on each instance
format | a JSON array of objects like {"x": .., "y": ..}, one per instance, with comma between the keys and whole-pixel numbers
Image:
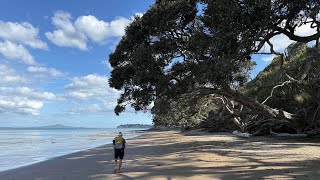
[{"x": 21, "y": 147}]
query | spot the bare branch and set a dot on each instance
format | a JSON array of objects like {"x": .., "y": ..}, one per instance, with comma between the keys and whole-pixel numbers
[
  {"x": 265, "y": 53},
  {"x": 271, "y": 94},
  {"x": 263, "y": 40}
]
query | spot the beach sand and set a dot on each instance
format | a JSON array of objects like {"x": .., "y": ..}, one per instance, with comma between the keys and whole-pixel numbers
[{"x": 172, "y": 155}]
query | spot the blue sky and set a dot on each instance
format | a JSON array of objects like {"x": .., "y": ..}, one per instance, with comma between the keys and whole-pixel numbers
[{"x": 54, "y": 61}]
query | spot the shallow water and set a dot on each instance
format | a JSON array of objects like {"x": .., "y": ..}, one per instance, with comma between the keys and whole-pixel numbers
[{"x": 21, "y": 147}]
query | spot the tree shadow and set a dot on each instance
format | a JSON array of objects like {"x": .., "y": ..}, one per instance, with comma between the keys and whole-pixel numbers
[{"x": 176, "y": 160}]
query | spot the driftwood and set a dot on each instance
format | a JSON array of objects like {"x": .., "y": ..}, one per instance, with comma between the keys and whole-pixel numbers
[
  {"x": 286, "y": 134},
  {"x": 240, "y": 134}
]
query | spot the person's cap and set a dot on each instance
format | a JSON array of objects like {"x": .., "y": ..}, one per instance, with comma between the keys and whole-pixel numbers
[{"x": 120, "y": 134}]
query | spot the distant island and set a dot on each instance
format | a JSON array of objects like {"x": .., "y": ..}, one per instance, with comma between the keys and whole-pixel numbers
[
  {"x": 135, "y": 126},
  {"x": 56, "y": 126}
]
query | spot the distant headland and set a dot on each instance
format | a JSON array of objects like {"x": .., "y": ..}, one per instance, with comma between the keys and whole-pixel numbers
[{"x": 135, "y": 126}]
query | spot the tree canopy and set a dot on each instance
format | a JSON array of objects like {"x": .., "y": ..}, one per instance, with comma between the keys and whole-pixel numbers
[{"x": 203, "y": 47}]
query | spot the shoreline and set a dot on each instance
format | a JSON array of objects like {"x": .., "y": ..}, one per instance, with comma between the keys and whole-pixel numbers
[
  {"x": 67, "y": 153},
  {"x": 173, "y": 155}
]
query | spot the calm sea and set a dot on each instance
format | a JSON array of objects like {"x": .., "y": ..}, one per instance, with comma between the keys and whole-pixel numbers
[{"x": 24, "y": 147}]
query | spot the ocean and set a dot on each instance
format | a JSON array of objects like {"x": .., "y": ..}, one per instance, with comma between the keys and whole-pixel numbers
[{"x": 21, "y": 147}]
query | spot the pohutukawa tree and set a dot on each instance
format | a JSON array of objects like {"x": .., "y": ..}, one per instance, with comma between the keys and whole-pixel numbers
[{"x": 203, "y": 48}]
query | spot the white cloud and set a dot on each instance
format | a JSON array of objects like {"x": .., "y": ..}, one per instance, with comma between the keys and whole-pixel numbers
[
  {"x": 44, "y": 70},
  {"x": 14, "y": 51},
  {"x": 17, "y": 99},
  {"x": 305, "y": 30},
  {"x": 27, "y": 93},
  {"x": 98, "y": 30},
  {"x": 139, "y": 14},
  {"x": 91, "y": 87},
  {"x": 66, "y": 35},
  {"x": 280, "y": 42},
  {"x": 62, "y": 20},
  {"x": 13, "y": 79},
  {"x": 23, "y": 33},
  {"x": 93, "y": 107},
  {"x": 9, "y": 76},
  {"x": 76, "y": 34},
  {"x": 94, "y": 94},
  {"x": 23, "y": 100},
  {"x": 20, "y": 105}
]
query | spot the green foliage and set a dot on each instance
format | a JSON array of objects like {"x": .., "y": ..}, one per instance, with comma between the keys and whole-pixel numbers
[
  {"x": 183, "y": 111},
  {"x": 173, "y": 53},
  {"x": 293, "y": 95},
  {"x": 218, "y": 120}
]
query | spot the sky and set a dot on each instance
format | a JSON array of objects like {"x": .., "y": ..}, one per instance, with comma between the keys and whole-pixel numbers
[{"x": 54, "y": 61}]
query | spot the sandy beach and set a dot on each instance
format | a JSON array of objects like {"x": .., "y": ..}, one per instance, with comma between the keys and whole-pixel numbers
[{"x": 172, "y": 155}]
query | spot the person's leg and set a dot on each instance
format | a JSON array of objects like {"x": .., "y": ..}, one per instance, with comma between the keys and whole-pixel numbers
[
  {"x": 116, "y": 156},
  {"x": 115, "y": 163},
  {"x": 121, "y": 154},
  {"x": 120, "y": 163}
]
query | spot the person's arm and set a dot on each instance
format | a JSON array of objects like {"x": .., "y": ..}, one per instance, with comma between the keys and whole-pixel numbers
[
  {"x": 124, "y": 143},
  {"x": 113, "y": 143}
]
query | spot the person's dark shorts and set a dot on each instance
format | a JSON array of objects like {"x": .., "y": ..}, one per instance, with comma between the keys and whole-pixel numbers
[{"x": 118, "y": 153}]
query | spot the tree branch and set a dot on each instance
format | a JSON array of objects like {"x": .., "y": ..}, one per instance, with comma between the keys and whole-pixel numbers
[
  {"x": 272, "y": 50},
  {"x": 292, "y": 36},
  {"x": 271, "y": 94}
]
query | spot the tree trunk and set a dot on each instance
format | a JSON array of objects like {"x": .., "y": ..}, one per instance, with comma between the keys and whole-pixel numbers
[
  {"x": 256, "y": 106},
  {"x": 269, "y": 117}
]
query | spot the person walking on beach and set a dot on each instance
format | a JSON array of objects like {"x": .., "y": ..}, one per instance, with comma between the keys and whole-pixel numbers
[{"x": 119, "y": 143}]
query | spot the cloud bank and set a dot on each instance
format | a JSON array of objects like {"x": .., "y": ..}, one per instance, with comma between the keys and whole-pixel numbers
[
  {"x": 79, "y": 32},
  {"x": 23, "y": 100},
  {"x": 91, "y": 88},
  {"x": 23, "y": 33}
]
